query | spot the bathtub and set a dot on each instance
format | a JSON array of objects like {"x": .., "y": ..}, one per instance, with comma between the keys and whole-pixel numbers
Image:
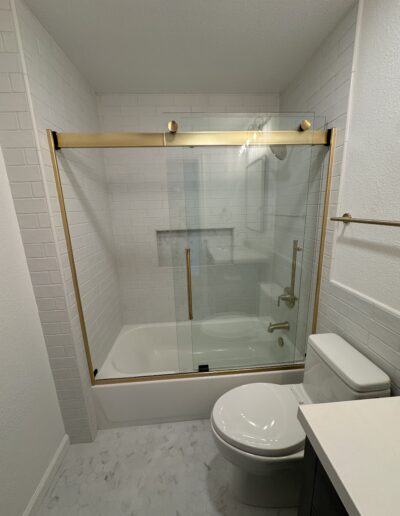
[
  {"x": 223, "y": 342},
  {"x": 168, "y": 348}
]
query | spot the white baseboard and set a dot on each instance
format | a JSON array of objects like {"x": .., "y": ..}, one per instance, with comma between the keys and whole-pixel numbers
[{"x": 45, "y": 482}]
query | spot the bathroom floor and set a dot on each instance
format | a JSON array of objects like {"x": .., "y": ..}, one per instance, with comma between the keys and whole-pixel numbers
[{"x": 171, "y": 469}]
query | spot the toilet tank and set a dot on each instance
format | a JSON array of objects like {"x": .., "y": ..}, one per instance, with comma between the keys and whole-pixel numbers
[{"x": 336, "y": 371}]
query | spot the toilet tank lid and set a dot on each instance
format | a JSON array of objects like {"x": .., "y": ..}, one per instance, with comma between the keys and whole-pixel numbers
[{"x": 359, "y": 373}]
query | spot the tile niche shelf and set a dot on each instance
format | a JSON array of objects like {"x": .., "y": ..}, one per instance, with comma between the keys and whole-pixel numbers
[{"x": 209, "y": 246}]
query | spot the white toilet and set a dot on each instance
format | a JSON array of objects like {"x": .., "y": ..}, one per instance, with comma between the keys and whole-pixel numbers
[{"x": 255, "y": 426}]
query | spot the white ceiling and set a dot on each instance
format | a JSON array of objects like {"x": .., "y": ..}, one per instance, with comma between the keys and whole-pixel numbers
[{"x": 189, "y": 46}]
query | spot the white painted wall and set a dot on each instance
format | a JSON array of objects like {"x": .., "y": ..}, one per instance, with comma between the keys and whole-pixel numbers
[
  {"x": 31, "y": 427},
  {"x": 362, "y": 300},
  {"x": 359, "y": 296},
  {"x": 372, "y": 162}
]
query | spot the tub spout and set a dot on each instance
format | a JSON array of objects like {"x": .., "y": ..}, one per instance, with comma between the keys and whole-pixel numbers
[{"x": 278, "y": 326}]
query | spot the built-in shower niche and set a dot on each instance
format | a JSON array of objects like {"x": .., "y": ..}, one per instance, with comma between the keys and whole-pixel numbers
[{"x": 208, "y": 246}]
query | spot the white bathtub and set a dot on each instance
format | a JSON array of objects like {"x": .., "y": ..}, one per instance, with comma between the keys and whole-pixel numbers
[
  {"x": 225, "y": 342},
  {"x": 153, "y": 349}
]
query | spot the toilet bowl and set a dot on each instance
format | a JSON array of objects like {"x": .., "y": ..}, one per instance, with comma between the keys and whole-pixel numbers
[
  {"x": 265, "y": 447},
  {"x": 255, "y": 426}
]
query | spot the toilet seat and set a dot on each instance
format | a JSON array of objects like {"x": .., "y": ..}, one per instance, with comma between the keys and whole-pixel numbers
[{"x": 259, "y": 418}]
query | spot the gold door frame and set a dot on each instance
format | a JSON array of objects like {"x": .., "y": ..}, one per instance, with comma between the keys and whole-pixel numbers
[{"x": 59, "y": 141}]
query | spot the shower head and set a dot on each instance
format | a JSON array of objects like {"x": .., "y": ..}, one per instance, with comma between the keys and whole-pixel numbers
[{"x": 279, "y": 151}]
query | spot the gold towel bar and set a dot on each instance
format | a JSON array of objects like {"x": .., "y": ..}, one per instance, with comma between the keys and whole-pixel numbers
[
  {"x": 189, "y": 283},
  {"x": 346, "y": 218}
]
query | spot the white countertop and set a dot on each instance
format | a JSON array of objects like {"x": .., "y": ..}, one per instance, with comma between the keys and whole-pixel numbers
[{"x": 358, "y": 444}]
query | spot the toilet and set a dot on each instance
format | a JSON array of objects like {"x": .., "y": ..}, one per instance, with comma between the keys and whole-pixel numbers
[{"x": 256, "y": 429}]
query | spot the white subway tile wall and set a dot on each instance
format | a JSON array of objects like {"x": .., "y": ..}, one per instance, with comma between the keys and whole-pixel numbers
[
  {"x": 323, "y": 86},
  {"x": 168, "y": 189},
  {"x": 295, "y": 219}
]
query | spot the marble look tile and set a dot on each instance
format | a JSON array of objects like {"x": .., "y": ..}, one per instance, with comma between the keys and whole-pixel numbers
[{"x": 172, "y": 469}]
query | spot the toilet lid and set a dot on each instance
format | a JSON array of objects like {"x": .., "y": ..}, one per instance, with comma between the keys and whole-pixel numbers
[{"x": 260, "y": 418}]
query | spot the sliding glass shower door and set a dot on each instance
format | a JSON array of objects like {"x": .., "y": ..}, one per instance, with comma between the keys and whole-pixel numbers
[{"x": 245, "y": 220}]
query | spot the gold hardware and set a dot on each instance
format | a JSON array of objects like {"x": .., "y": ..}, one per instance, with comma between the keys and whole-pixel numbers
[
  {"x": 346, "y": 218},
  {"x": 305, "y": 125},
  {"x": 189, "y": 283},
  {"x": 288, "y": 292},
  {"x": 70, "y": 251},
  {"x": 181, "y": 376},
  {"x": 206, "y": 139},
  {"x": 278, "y": 326},
  {"x": 172, "y": 126},
  {"x": 329, "y": 173},
  {"x": 288, "y": 297}
]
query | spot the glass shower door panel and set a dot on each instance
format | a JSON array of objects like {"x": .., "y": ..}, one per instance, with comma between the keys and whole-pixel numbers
[
  {"x": 244, "y": 212},
  {"x": 292, "y": 213},
  {"x": 240, "y": 276},
  {"x": 226, "y": 272}
]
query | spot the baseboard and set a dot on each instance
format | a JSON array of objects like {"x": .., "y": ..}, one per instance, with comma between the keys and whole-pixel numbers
[{"x": 45, "y": 482}]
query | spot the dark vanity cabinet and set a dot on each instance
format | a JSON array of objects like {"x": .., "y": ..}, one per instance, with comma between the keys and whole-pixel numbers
[{"x": 318, "y": 496}]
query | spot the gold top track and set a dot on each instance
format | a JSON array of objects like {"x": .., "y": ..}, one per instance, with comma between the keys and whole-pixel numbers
[{"x": 200, "y": 139}]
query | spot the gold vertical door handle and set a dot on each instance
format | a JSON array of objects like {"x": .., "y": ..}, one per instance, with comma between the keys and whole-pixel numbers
[
  {"x": 189, "y": 283},
  {"x": 296, "y": 249},
  {"x": 289, "y": 292}
]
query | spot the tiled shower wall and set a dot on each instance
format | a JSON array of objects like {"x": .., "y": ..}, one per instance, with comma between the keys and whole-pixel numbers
[
  {"x": 62, "y": 100},
  {"x": 324, "y": 87},
  {"x": 295, "y": 218},
  {"x": 160, "y": 189},
  {"x": 291, "y": 184}
]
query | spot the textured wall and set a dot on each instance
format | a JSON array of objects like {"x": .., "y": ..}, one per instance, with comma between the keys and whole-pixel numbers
[
  {"x": 371, "y": 167},
  {"x": 31, "y": 427},
  {"x": 363, "y": 297},
  {"x": 324, "y": 87}
]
